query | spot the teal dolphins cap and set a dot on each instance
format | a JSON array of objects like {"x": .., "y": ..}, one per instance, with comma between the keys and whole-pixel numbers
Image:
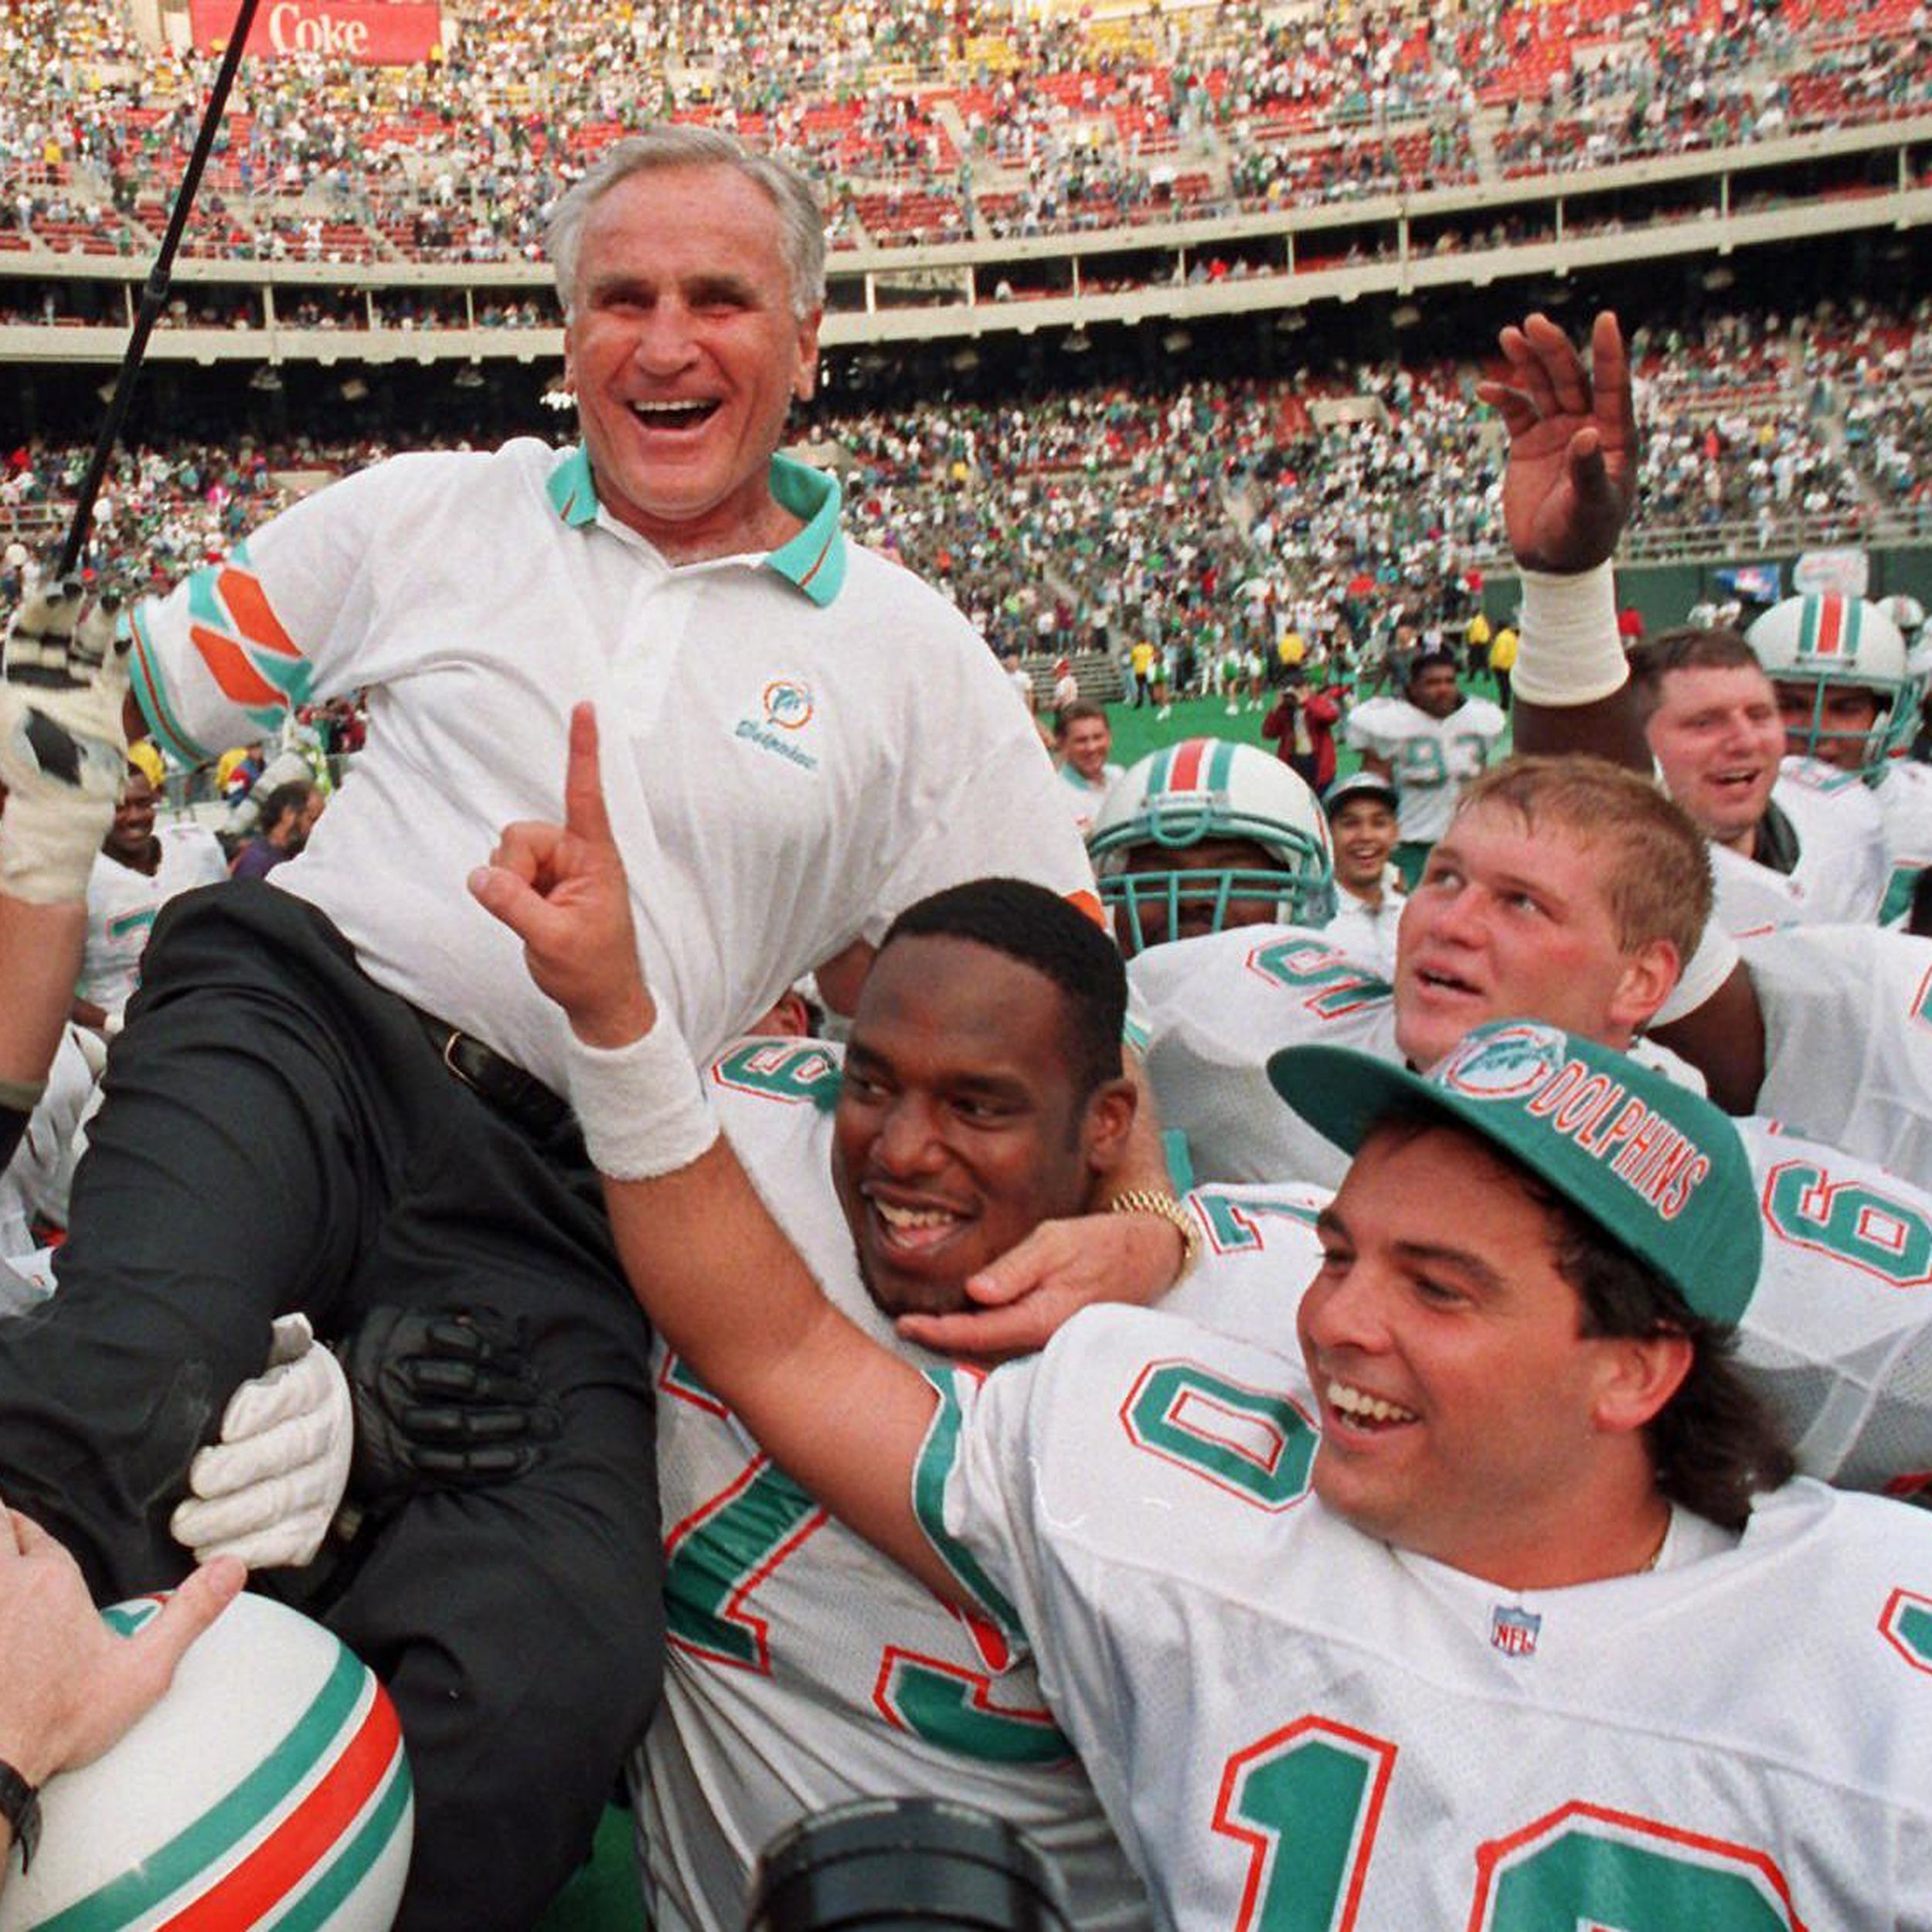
[{"x": 1656, "y": 1166}]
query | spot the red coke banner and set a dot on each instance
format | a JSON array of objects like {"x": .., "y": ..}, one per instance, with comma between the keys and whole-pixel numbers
[{"x": 390, "y": 33}]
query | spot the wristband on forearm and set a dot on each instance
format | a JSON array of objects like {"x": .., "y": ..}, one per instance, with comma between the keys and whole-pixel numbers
[
  {"x": 1570, "y": 653},
  {"x": 643, "y": 1110}
]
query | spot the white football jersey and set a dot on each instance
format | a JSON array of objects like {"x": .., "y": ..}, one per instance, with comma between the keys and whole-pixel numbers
[
  {"x": 1216, "y": 1007},
  {"x": 1368, "y": 932},
  {"x": 1087, "y": 796},
  {"x": 1840, "y": 877},
  {"x": 122, "y": 904},
  {"x": 1837, "y": 1337},
  {"x": 1904, "y": 792},
  {"x": 1432, "y": 759},
  {"x": 36, "y": 1181},
  {"x": 1848, "y": 1028},
  {"x": 804, "y": 1668},
  {"x": 1293, "y": 1724}
]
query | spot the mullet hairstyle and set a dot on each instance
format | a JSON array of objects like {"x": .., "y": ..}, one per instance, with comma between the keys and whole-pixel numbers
[
  {"x": 1715, "y": 1444},
  {"x": 1039, "y": 929},
  {"x": 1656, "y": 865},
  {"x": 801, "y": 224}
]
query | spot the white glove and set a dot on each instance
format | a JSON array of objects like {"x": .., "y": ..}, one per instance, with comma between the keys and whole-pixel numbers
[
  {"x": 63, "y": 757},
  {"x": 269, "y": 1489}
]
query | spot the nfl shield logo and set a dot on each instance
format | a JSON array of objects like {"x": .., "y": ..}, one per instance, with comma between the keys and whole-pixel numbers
[{"x": 1513, "y": 1631}]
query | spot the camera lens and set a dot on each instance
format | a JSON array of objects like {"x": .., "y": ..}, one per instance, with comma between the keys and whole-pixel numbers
[{"x": 917, "y": 1863}]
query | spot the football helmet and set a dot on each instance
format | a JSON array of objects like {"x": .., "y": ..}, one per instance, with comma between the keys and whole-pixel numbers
[
  {"x": 1209, "y": 793},
  {"x": 1823, "y": 643}
]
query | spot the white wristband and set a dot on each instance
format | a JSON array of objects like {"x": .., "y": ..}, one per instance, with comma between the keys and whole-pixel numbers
[
  {"x": 1570, "y": 653},
  {"x": 642, "y": 1108},
  {"x": 1706, "y": 970}
]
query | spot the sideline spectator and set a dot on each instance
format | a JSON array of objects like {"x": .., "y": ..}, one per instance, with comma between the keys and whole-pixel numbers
[
  {"x": 1369, "y": 898},
  {"x": 288, "y": 815},
  {"x": 140, "y": 868},
  {"x": 1082, "y": 738},
  {"x": 1302, "y": 723}
]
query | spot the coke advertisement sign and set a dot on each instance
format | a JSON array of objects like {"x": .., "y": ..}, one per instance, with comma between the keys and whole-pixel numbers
[{"x": 390, "y": 33}]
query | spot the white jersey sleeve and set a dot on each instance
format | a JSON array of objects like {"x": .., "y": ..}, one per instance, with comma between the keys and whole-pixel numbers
[
  {"x": 1904, "y": 793},
  {"x": 1848, "y": 1040},
  {"x": 1840, "y": 875},
  {"x": 1216, "y": 1007},
  {"x": 35, "y": 1183},
  {"x": 805, "y": 1670},
  {"x": 1291, "y": 1722},
  {"x": 1838, "y": 1334}
]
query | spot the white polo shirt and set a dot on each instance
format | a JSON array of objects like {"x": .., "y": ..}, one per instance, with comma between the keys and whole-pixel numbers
[{"x": 796, "y": 745}]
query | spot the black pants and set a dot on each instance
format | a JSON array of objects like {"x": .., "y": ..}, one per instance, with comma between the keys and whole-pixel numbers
[{"x": 279, "y": 1135}]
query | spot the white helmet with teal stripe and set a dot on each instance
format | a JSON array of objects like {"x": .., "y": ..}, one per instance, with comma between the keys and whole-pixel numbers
[
  {"x": 1208, "y": 834},
  {"x": 1812, "y": 647}
]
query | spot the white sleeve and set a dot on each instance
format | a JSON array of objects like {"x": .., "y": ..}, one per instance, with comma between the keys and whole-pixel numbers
[
  {"x": 970, "y": 1475},
  {"x": 1838, "y": 1336},
  {"x": 238, "y": 645}
]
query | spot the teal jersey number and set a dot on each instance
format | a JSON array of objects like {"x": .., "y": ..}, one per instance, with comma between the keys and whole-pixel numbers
[
  {"x": 1307, "y": 1802},
  {"x": 1235, "y": 1220},
  {"x": 717, "y": 1558},
  {"x": 1873, "y": 1231},
  {"x": 1252, "y": 1442},
  {"x": 1333, "y": 984}
]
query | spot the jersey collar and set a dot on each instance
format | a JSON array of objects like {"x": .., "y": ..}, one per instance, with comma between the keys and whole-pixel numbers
[{"x": 814, "y": 561}]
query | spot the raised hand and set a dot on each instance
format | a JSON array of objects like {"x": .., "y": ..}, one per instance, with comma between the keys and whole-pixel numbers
[
  {"x": 1572, "y": 479},
  {"x": 562, "y": 890}
]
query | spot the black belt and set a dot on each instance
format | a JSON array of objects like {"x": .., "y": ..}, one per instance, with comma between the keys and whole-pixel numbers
[{"x": 522, "y": 1098}]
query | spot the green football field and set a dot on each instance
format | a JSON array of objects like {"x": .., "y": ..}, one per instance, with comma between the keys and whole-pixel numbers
[
  {"x": 1136, "y": 733},
  {"x": 603, "y": 1897}
]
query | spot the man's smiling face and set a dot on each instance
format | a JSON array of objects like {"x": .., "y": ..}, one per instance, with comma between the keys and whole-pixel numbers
[
  {"x": 1718, "y": 737},
  {"x": 959, "y": 1128},
  {"x": 686, "y": 355}
]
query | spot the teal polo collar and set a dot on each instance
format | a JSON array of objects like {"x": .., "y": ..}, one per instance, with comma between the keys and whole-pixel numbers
[{"x": 814, "y": 560}]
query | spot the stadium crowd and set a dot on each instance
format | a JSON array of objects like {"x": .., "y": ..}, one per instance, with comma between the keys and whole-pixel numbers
[
  {"x": 1207, "y": 519},
  {"x": 1585, "y": 1183},
  {"x": 918, "y": 124}
]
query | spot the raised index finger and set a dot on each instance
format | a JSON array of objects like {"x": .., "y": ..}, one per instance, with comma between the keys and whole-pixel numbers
[{"x": 583, "y": 812}]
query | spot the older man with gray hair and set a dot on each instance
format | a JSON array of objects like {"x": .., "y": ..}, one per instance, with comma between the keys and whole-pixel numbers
[{"x": 338, "y": 1090}]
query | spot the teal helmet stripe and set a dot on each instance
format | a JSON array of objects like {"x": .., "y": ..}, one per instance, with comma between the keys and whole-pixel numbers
[{"x": 1221, "y": 765}]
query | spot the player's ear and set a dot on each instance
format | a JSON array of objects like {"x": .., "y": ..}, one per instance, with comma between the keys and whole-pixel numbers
[
  {"x": 1639, "y": 1375},
  {"x": 1650, "y": 973},
  {"x": 1107, "y": 1124}
]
